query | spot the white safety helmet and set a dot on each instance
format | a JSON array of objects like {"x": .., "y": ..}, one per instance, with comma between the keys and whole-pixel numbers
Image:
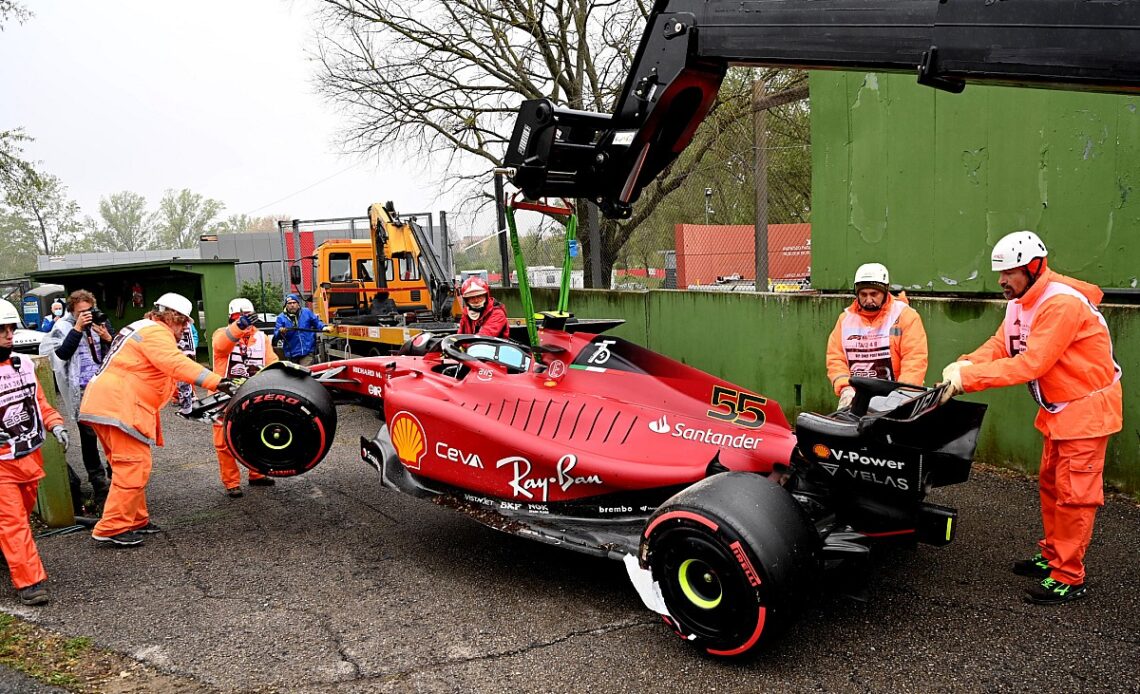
[
  {"x": 176, "y": 303},
  {"x": 872, "y": 273},
  {"x": 1017, "y": 250},
  {"x": 8, "y": 314},
  {"x": 241, "y": 305}
]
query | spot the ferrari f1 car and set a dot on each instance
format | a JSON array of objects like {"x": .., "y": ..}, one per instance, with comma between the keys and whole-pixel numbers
[{"x": 721, "y": 513}]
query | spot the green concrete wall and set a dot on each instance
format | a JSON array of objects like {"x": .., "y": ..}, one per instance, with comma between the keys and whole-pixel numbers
[
  {"x": 775, "y": 344},
  {"x": 217, "y": 285},
  {"x": 925, "y": 181}
]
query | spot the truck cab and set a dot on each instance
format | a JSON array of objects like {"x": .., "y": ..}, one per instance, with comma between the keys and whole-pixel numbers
[{"x": 382, "y": 279}]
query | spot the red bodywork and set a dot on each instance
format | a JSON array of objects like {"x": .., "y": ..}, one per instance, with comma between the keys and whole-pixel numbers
[{"x": 596, "y": 416}]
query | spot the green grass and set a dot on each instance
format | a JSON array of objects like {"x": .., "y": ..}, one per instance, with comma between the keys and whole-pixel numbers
[{"x": 43, "y": 656}]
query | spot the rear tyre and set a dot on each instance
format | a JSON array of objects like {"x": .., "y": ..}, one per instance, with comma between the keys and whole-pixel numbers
[
  {"x": 733, "y": 554},
  {"x": 280, "y": 423}
]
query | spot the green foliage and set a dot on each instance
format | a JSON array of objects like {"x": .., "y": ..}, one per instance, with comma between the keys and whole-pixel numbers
[
  {"x": 127, "y": 224},
  {"x": 183, "y": 216},
  {"x": 36, "y": 214},
  {"x": 12, "y": 162},
  {"x": 242, "y": 223},
  {"x": 266, "y": 297}
]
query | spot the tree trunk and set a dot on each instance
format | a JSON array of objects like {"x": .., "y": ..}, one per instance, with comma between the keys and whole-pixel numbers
[{"x": 760, "y": 180}]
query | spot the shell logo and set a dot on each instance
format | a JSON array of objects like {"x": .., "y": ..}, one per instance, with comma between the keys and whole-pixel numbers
[{"x": 409, "y": 439}]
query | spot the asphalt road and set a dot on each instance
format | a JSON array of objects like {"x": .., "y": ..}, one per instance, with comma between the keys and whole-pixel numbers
[{"x": 329, "y": 583}]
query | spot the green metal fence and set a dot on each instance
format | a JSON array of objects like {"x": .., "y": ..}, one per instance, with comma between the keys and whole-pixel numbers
[{"x": 775, "y": 344}]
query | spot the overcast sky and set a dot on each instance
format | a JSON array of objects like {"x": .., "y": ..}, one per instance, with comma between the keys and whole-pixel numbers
[{"x": 211, "y": 95}]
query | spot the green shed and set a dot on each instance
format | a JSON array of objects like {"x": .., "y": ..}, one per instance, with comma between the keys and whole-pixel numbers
[{"x": 127, "y": 291}]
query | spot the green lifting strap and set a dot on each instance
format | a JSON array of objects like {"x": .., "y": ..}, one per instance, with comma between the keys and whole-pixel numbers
[
  {"x": 520, "y": 263},
  {"x": 524, "y": 285},
  {"x": 571, "y": 236}
]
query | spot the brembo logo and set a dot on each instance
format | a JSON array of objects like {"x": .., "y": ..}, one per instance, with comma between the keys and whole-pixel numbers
[{"x": 661, "y": 426}]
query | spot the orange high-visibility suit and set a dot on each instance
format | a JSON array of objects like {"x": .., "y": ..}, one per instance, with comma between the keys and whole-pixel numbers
[
  {"x": 237, "y": 354},
  {"x": 1055, "y": 340},
  {"x": 889, "y": 343},
  {"x": 122, "y": 405},
  {"x": 25, "y": 417}
]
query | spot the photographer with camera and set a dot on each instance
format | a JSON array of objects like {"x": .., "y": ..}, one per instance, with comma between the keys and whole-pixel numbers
[{"x": 77, "y": 344}]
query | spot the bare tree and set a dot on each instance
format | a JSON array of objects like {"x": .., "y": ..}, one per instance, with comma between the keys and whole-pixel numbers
[
  {"x": 446, "y": 79},
  {"x": 12, "y": 10}
]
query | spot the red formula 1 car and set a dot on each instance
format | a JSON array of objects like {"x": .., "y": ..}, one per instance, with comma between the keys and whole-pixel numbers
[{"x": 722, "y": 514}]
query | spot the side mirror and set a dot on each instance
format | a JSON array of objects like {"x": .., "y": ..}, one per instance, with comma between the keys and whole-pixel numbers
[{"x": 295, "y": 275}]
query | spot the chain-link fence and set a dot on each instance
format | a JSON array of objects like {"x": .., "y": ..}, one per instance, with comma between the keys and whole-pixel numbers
[{"x": 704, "y": 231}]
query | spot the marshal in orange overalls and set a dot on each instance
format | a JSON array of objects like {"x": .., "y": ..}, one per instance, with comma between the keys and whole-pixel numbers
[
  {"x": 26, "y": 417},
  {"x": 237, "y": 354},
  {"x": 889, "y": 343},
  {"x": 122, "y": 405},
  {"x": 1055, "y": 340}
]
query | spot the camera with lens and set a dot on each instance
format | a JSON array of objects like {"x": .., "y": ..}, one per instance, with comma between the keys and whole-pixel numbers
[{"x": 97, "y": 316}]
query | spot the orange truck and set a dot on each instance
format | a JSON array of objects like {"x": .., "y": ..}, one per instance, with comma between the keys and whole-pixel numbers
[{"x": 379, "y": 292}]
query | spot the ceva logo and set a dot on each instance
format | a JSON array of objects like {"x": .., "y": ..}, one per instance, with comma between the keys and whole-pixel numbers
[{"x": 661, "y": 426}]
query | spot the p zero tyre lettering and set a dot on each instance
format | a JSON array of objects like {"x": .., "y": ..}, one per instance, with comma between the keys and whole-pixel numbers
[{"x": 280, "y": 423}]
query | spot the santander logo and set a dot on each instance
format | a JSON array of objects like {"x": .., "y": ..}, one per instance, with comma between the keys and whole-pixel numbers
[{"x": 680, "y": 430}]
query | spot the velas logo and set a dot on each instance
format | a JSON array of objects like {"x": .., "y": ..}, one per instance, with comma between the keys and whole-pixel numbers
[
  {"x": 409, "y": 439},
  {"x": 660, "y": 426}
]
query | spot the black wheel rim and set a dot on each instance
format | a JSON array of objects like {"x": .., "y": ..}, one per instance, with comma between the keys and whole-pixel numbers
[
  {"x": 704, "y": 586},
  {"x": 277, "y": 440}
]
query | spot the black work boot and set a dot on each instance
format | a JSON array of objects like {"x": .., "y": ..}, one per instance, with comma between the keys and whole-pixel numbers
[
  {"x": 126, "y": 539},
  {"x": 35, "y": 594},
  {"x": 1053, "y": 592},
  {"x": 1037, "y": 567}
]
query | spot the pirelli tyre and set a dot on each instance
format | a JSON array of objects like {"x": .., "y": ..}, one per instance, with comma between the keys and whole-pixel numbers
[
  {"x": 281, "y": 422},
  {"x": 733, "y": 555}
]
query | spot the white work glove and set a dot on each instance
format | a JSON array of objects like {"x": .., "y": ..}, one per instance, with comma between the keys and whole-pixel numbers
[
  {"x": 61, "y": 435},
  {"x": 327, "y": 329},
  {"x": 952, "y": 378},
  {"x": 845, "y": 397},
  {"x": 959, "y": 364}
]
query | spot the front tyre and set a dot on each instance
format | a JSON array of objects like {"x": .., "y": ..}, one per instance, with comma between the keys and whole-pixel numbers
[
  {"x": 281, "y": 422},
  {"x": 732, "y": 555}
]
